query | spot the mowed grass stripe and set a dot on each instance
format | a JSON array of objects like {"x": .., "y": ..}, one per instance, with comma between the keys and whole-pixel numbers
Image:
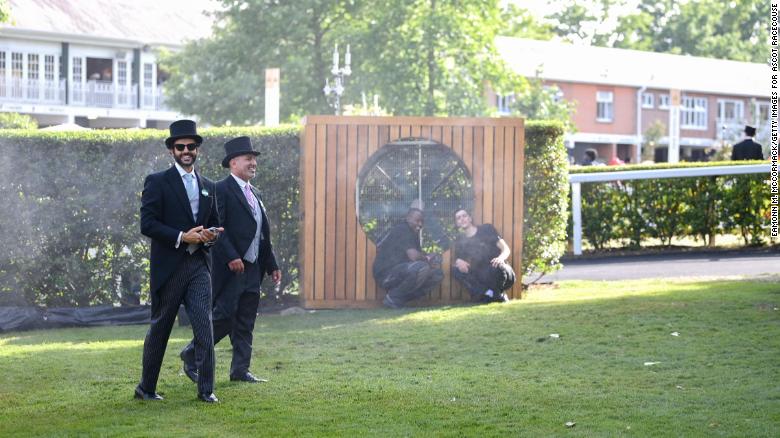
[{"x": 456, "y": 371}]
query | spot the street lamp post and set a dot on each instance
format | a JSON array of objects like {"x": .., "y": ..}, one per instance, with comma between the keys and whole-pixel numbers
[{"x": 333, "y": 93}]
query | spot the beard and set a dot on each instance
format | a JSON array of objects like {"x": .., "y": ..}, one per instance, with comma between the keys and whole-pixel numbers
[{"x": 179, "y": 161}]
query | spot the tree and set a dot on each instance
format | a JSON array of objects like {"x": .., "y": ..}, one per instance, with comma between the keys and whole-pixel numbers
[
  {"x": 5, "y": 11},
  {"x": 421, "y": 56},
  {"x": 725, "y": 29},
  {"x": 519, "y": 22},
  {"x": 536, "y": 101}
]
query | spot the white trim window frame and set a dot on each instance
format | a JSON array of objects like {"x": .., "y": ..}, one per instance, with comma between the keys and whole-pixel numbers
[
  {"x": 693, "y": 114},
  {"x": 731, "y": 110},
  {"x": 504, "y": 103},
  {"x": 648, "y": 100},
  {"x": 663, "y": 101},
  {"x": 605, "y": 106}
]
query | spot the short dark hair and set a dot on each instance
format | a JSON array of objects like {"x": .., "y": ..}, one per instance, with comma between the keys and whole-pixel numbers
[{"x": 750, "y": 131}]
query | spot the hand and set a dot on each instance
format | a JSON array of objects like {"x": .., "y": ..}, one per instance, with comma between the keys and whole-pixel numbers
[
  {"x": 193, "y": 235},
  {"x": 462, "y": 265},
  {"x": 236, "y": 266},
  {"x": 208, "y": 236},
  {"x": 496, "y": 262},
  {"x": 276, "y": 276}
]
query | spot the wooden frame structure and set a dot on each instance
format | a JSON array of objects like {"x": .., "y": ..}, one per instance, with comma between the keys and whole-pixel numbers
[{"x": 336, "y": 256}]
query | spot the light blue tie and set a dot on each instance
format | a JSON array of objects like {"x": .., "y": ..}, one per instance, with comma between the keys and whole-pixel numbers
[{"x": 192, "y": 193}]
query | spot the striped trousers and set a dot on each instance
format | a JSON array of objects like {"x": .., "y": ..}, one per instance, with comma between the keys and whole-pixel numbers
[{"x": 190, "y": 284}]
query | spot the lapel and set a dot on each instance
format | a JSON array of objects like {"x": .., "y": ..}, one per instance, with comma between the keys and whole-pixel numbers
[
  {"x": 259, "y": 202},
  {"x": 204, "y": 206},
  {"x": 175, "y": 181},
  {"x": 236, "y": 189}
]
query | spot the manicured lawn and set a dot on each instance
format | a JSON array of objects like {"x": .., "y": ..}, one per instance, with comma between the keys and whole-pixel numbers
[{"x": 459, "y": 371}]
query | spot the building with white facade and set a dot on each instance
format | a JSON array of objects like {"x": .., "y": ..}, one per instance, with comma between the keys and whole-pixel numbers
[{"x": 94, "y": 62}]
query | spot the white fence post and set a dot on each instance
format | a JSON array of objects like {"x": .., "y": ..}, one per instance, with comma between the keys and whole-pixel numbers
[{"x": 576, "y": 211}]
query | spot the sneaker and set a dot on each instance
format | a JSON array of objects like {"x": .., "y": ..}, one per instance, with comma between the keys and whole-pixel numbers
[{"x": 388, "y": 302}]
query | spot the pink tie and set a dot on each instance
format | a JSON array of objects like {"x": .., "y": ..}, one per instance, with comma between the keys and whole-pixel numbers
[{"x": 250, "y": 198}]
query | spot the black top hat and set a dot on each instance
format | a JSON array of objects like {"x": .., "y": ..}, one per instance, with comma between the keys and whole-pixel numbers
[
  {"x": 238, "y": 146},
  {"x": 750, "y": 131},
  {"x": 182, "y": 129}
]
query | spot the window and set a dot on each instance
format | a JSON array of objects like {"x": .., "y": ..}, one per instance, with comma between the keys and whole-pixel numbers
[
  {"x": 648, "y": 100},
  {"x": 694, "y": 113},
  {"x": 48, "y": 68},
  {"x": 2, "y": 74},
  {"x": 77, "y": 70},
  {"x": 148, "y": 80},
  {"x": 17, "y": 65},
  {"x": 762, "y": 113},
  {"x": 121, "y": 78},
  {"x": 33, "y": 74},
  {"x": 504, "y": 104},
  {"x": 663, "y": 101},
  {"x": 731, "y": 110},
  {"x": 604, "y": 106}
]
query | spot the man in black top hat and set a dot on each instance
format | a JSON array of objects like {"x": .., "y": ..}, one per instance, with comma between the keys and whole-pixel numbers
[
  {"x": 748, "y": 149},
  {"x": 178, "y": 206},
  {"x": 242, "y": 257}
]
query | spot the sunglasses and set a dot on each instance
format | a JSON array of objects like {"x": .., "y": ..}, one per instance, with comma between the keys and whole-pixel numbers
[{"x": 190, "y": 146}]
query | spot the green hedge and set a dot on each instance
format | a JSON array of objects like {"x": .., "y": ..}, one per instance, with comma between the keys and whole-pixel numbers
[
  {"x": 71, "y": 207},
  {"x": 546, "y": 191},
  {"x": 631, "y": 212}
]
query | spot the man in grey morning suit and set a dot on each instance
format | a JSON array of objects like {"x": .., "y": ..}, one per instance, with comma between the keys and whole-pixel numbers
[
  {"x": 242, "y": 256},
  {"x": 177, "y": 207}
]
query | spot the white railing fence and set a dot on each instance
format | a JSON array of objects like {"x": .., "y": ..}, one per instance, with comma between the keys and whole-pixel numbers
[{"x": 577, "y": 179}]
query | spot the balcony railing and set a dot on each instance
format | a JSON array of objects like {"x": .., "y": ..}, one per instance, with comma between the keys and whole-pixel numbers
[{"x": 100, "y": 94}]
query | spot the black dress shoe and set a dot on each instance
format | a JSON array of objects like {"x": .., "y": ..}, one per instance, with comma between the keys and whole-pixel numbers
[
  {"x": 208, "y": 398},
  {"x": 143, "y": 395},
  {"x": 247, "y": 377},
  {"x": 190, "y": 370}
]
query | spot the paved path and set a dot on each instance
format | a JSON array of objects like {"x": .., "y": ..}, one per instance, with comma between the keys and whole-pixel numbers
[{"x": 748, "y": 263}]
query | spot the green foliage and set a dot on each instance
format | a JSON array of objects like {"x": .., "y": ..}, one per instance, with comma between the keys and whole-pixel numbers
[
  {"x": 17, "y": 121},
  {"x": 535, "y": 101},
  {"x": 546, "y": 190},
  {"x": 5, "y": 11},
  {"x": 519, "y": 22},
  {"x": 725, "y": 29},
  {"x": 698, "y": 207},
  {"x": 427, "y": 57},
  {"x": 72, "y": 200},
  {"x": 457, "y": 371}
]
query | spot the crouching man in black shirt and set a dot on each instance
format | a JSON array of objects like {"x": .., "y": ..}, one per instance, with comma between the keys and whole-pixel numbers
[
  {"x": 480, "y": 260},
  {"x": 401, "y": 267}
]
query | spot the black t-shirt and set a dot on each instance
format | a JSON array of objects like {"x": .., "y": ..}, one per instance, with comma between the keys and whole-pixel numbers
[
  {"x": 391, "y": 251},
  {"x": 479, "y": 249}
]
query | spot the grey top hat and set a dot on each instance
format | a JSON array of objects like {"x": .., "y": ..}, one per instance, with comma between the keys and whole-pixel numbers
[{"x": 238, "y": 146}]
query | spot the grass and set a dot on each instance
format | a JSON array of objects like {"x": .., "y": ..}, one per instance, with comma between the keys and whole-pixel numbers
[{"x": 459, "y": 371}]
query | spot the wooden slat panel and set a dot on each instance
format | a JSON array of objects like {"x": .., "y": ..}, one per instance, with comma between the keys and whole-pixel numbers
[
  {"x": 341, "y": 213},
  {"x": 517, "y": 219},
  {"x": 509, "y": 157},
  {"x": 377, "y": 137},
  {"x": 360, "y": 250},
  {"x": 487, "y": 181},
  {"x": 498, "y": 179},
  {"x": 458, "y": 138},
  {"x": 411, "y": 120},
  {"x": 319, "y": 223},
  {"x": 415, "y": 131},
  {"x": 352, "y": 225},
  {"x": 406, "y": 131},
  {"x": 331, "y": 192},
  {"x": 306, "y": 242},
  {"x": 478, "y": 139}
]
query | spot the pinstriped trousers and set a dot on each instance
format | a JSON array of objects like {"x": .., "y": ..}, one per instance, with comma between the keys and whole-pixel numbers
[{"x": 190, "y": 283}]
